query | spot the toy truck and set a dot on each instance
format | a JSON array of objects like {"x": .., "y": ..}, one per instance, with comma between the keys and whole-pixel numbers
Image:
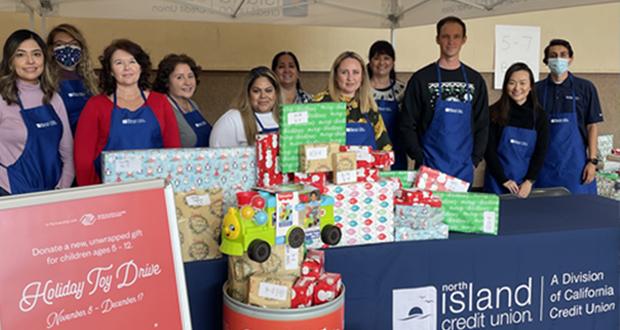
[{"x": 281, "y": 216}]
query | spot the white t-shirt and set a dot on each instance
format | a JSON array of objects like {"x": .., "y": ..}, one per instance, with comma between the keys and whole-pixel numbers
[{"x": 228, "y": 130}]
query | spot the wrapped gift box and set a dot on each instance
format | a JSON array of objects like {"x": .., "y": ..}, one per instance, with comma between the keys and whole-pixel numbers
[
  {"x": 608, "y": 185},
  {"x": 312, "y": 266},
  {"x": 309, "y": 123},
  {"x": 364, "y": 211},
  {"x": 232, "y": 169},
  {"x": 417, "y": 216},
  {"x": 345, "y": 167},
  {"x": 283, "y": 261},
  {"x": 439, "y": 231},
  {"x": 268, "y": 173},
  {"x": 470, "y": 212},
  {"x": 303, "y": 292},
  {"x": 363, "y": 155},
  {"x": 270, "y": 292},
  {"x": 406, "y": 178},
  {"x": 605, "y": 145},
  {"x": 199, "y": 216},
  {"x": 317, "y": 157},
  {"x": 317, "y": 180},
  {"x": 382, "y": 159},
  {"x": 434, "y": 180},
  {"x": 327, "y": 288}
]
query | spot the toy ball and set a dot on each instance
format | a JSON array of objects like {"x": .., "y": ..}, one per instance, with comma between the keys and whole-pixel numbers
[
  {"x": 260, "y": 218},
  {"x": 247, "y": 212},
  {"x": 258, "y": 202}
]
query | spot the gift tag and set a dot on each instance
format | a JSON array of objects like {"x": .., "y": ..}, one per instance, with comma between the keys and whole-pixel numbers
[
  {"x": 198, "y": 200},
  {"x": 129, "y": 164},
  {"x": 489, "y": 222},
  {"x": 346, "y": 176},
  {"x": 296, "y": 118},
  {"x": 316, "y": 153},
  {"x": 292, "y": 258},
  {"x": 273, "y": 291}
]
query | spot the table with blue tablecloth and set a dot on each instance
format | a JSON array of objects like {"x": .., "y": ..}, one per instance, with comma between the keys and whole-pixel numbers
[{"x": 554, "y": 265}]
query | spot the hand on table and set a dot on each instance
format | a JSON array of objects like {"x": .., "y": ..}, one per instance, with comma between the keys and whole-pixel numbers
[
  {"x": 589, "y": 172},
  {"x": 511, "y": 186},
  {"x": 525, "y": 189}
]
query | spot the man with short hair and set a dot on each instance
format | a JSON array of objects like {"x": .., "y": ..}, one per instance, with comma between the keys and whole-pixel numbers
[
  {"x": 573, "y": 108},
  {"x": 445, "y": 113}
]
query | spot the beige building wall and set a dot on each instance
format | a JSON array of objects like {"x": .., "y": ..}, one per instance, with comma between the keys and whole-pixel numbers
[{"x": 593, "y": 30}]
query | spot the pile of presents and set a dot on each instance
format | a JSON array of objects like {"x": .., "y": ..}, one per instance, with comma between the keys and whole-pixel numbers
[
  {"x": 608, "y": 175},
  {"x": 303, "y": 188}
]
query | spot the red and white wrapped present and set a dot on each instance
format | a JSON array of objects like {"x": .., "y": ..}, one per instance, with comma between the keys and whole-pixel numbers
[
  {"x": 312, "y": 266},
  {"x": 317, "y": 180},
  {"x": 303, "y": 292},
  {"x": 327, "y": 288},
  {"x": 267, "y": 150},
  {"x": 382, "y": 159},
  {"x": 434, "y": 180}
]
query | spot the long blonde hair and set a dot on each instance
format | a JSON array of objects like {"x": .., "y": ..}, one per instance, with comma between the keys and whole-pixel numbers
[
  {"x": 363, "y": 94},
  {"x": 242, "y": 102},
  {"x": 85, "y": 67}
]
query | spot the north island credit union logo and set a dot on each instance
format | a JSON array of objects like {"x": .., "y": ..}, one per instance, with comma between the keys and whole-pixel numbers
[{"x": 414, "y": 308}]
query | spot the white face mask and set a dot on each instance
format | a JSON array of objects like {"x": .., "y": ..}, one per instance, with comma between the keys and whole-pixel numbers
[{"x": 558, "y": 65}]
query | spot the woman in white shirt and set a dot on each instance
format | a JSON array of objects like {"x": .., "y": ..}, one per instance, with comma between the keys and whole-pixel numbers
[{"x": 255, "y": 111}]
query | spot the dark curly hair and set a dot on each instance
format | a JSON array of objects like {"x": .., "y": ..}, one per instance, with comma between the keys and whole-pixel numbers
[
  {"x": 107, "y": 83},
  {"x": 166, "y": 67}
]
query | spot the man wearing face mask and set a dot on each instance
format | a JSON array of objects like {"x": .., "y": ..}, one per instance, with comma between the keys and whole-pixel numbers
[
  {"x": 78, "y": 82},
  {"x": 573, "y": 109}
]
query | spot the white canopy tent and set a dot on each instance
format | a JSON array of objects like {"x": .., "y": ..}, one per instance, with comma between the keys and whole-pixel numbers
[{"x": 383, "y": 14}]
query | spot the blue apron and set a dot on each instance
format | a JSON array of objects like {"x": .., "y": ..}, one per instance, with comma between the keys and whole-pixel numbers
[
  {"x": 39, "y": 167},
  {"x": 264, "y": 130},
  {"x": 196, "y": 121},
  {"x": 132, "y": 130},
  {"x": 514, "y": 151},
  {"x": 448, "y": 142},
  {"x": 566, "y": 154},
  {"x": 74, "y": 95},
  {"x": 361, "y": 134},
  {"x": 389, "y": 113}
]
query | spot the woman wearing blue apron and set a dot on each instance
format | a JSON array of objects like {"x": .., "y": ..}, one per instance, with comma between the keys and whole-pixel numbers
[
  {"x": 388, "y": 93},
  {"x": 448, "y": 142},
  {"x": 256, "y": 111},
  {"x": 78, "y": 82},
  {"x": 126, "y": 115},
  {"x": 35, "y": 141},
  {"x": 178, "y": 76},
  {"x": 518, "y": 136},
  {"x": 349, "y": 82}
]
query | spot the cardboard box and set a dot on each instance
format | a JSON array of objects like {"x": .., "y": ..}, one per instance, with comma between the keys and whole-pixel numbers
[
  {"x": 303, "y": 292},
  {"x": 363, "y": 156},
  {"x": 327, "y": 288},
  {"x": 267, "y": 150},
  {"x": 434, "y": 180},
  {"x": 345, "y": 167},
  {"x": 270, "y": 292},
  {"x": 231, "y": 169},
  {"x": 309, "y": 123},
  {"x": 317, "y": 157},
  {"x": 470, "y": 212},
  {"x": 199, "y": 217}
]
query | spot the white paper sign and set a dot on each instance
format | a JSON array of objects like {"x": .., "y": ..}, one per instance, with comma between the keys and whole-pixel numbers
[
  {"x": 316, "y": 153},
  {"x": 516, "y": 44},
  {"x": 488, "y": 225},
  {"x": 298, "y": 118},
  {"x": 197, "y": 200},
  {"x": 130, "y": 164}
]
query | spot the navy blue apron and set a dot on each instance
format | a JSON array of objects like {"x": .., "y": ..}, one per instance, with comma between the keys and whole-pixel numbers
[
  {"x": 264, "y": 130},
  {"x": 74, "y": 95},
  {"x": 196, "y": 121},
  {"x": 130, "y": 130},
  {"x": 566, "y": 155},
  {"x": 448, "y": 142},
  {"x": 389, "y": 113},
  {"x": 514, "y": 151},
  {"x": 361, "y": 134},
  {"x": 39, "y": 167}
]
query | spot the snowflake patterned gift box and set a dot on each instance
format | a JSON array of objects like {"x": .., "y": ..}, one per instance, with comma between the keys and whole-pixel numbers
[
  {"x": 470, "y": 212},
  {"x": 267, "y": 150},
  {"x": 232, "y": 169},
  {"x": 309, "y": 123},
  {"x": 364, "y": 211}
]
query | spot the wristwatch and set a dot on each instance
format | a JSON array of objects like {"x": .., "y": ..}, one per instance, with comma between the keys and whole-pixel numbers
[{"x": 594, "y": 161}]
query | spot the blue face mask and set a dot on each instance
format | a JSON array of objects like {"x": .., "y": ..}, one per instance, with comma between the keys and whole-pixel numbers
[
  {"x": 558, "y": 65},
  {"x": 68, "y": 55}
]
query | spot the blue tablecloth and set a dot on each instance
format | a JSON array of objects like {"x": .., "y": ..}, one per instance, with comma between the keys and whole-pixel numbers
[{"x": 555, "y": 261}]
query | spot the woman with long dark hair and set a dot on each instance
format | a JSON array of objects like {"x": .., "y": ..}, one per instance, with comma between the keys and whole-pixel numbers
[
  {"x": 35, "y": 139},
  {"x": 518, "y": 135}
]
